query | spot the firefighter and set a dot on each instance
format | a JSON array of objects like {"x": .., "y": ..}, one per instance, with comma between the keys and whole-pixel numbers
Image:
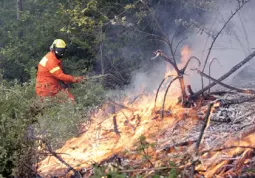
[{"x": 50, "y": 72}]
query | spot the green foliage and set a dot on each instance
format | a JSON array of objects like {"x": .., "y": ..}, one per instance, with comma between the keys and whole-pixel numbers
[
  {"x": 103, "y": 36},
  {"x": 173, "y": 171},
  {"x": 14, "y": 121},
  {"x": 250, "y": 171},
  {"x": 107, "y": 172},
  {"x": 143, "y": 147},
  {"x": 24, "y": 119},
  {"x": 59, "y": 119}
]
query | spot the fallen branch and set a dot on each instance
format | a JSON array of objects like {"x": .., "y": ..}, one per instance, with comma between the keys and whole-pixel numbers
[
  {"x": 235, "y": 68},
  {"x": 185, "y": 143},
  {"x": 115, "y": 126},
  {"x": 148, "y": 169},
  {"x": 226, "y": 148},
  {"x": 225, "y": 85},
  {"x": 200, "y": 138},
  {"x": 70, "y": 168},
  {"x": 235, "y": 101},
  {"x": 221, "y": 93},
  {"x": 116, "y": 130},
  {"x": 136, "y": 98},
  {"x": 121, "y": 105}
]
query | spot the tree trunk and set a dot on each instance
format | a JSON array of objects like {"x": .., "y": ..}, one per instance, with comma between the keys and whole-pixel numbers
[
  {"x": 182, "y": 84},
  {"x": 19, "y": 8},
  {"x": 101, "y": 58},
  {"x": 101, "y": 52}
]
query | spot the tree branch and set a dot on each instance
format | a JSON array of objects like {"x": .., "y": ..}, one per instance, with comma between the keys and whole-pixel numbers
[
  {"x": 225, "y": 85},
  {"x": 235, "y": 68},
  {"x": 155, "y": 102},
  {"x": 163, "y": 106},
  {"x": 223, "y": 27}
]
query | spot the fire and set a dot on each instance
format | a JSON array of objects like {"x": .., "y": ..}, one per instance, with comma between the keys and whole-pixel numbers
[
  {"x": 104, "y": 138},
  {"x": 185, "y": 55},
  {"x": 233, "y": 151},
  {"x": 101, "y": 142}
]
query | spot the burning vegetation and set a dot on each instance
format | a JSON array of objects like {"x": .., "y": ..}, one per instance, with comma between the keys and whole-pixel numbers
[
  {"x": 198, "y": 135},
  {"x": 172, "y": 131}
]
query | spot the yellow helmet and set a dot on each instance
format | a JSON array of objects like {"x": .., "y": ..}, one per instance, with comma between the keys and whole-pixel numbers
[{"x": 59, "y": 47}]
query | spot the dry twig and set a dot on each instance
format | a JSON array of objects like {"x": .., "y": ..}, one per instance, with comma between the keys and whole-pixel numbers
[
  {"x": 53, "y": 153},
  {"x": 200, "y": 138},
  {"x": 210, "y": 64}
]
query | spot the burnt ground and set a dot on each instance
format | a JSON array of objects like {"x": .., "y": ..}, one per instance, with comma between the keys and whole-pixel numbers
[{"x": 226, "y": 150}]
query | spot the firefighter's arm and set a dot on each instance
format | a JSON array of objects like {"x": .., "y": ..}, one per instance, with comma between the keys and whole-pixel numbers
[{"x": 60, "y": 75}]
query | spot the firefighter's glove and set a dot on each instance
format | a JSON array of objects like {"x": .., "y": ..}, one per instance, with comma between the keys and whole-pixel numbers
[{"x": 78, "y": 79}]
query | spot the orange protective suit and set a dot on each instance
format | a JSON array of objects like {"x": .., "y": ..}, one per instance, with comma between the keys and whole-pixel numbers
[{"x": 48, "y": 75}]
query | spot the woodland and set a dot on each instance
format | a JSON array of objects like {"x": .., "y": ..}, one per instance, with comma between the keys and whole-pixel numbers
[{"x": 169, "y": 89}]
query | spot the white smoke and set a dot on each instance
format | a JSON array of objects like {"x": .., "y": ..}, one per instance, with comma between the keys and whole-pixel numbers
[
  {"x": 232, "y": 46},
  {"x": 234, "y": 43}
]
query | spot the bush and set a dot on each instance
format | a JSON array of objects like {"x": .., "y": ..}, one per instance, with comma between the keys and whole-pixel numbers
[
  {"x": 24, "y": 118},
  {"x": 14, "y": 120}
]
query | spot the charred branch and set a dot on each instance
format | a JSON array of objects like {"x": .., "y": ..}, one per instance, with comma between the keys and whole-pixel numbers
[
  {"x": 179, "y": 72},
  {"x": 180, "y": 144},
  {"x": 210, "y": 65},
  {"x": 121, "y": 105},
  {"x": 155, "y": 102},
  {"x": 159, "y": 53},
  {"x": 115, "y": 126},
  {"x": 200, "y": 138},
  {"x": 220, "y": 119},
  {"x": 190, "y": 90},
  {"x": 225, "y": 85},
  {"x": 163, "y": 106},
  {"x": 53, "y": 153},
  {"x": 226, "y": 148},
  {"x": 178, "y": 44},
  {"x": 148, "y": 169},
  {"x": 136, "y": 98},
  {"x": 235, "y": 101},
  {"x": 235, "y": 68},
  {"x": 187, "y": 63}
]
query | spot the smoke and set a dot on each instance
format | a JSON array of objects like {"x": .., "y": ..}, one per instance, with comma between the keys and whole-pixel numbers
[
  {"x": 232, "y": 46},
  {"x": 234, "y": 43}
]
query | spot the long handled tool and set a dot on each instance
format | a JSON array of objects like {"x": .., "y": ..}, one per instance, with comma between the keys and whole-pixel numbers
[
  {"x": 96, "y": 77},
  {"x": 69, "y": 85}
]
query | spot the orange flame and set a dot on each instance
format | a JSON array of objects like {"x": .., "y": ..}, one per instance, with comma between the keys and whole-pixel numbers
[
  {"x": 101, "y": 141},
  {"x": 185, "y": 55}
]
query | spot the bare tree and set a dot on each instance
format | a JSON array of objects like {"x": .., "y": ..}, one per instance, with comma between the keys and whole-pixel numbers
[{"x": 180, "y": 72}]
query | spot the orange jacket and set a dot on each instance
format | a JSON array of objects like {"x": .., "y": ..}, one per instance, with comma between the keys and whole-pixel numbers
[{"x": 48, "y": 75}]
